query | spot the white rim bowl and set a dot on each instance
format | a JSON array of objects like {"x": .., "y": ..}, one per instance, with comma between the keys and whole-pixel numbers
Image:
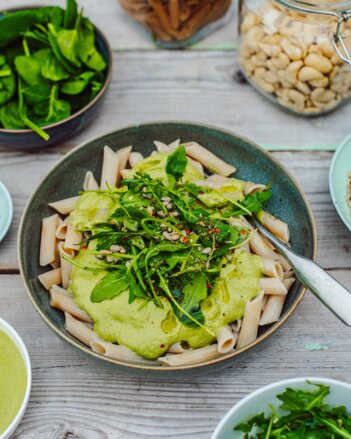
[
  {"x": 4, "y": 326},
  {"x": 257, "y": 402}
]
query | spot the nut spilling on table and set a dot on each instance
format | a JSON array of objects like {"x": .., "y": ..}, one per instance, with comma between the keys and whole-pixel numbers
[
  {"x": 175, "y": 20},
  {"x": 291, "y": 57}
]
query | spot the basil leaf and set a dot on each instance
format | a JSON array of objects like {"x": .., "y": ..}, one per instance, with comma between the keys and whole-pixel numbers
[
  {"x": 110, "y": 286},
  {"x": 176, "y": 163}
]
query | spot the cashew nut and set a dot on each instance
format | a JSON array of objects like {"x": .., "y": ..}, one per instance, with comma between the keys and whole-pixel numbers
[
  {"x": 318, "y": 62},
  {"x": 309, "y": 74}
]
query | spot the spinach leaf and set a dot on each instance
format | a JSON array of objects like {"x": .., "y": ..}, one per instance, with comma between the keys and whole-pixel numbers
[
  {"x": 52, "y": 68},
  {"x": 37, "y": 93},
  {"x": 193, "y": 294},
  {"x": 67, "y": 42},
  {"x": 71, "y": 14},
  {"x": 29, "y": 66},
  {"x": 55, "y": 48},
  {"x": 10, "y": 117},
  {"x": 77, "y": 84},
  {"x": 110, "y": 286},
  {"x": 88, "y": 53},
  {"x": 176, "y": 163},
  {"x": 56, "y": 109},
  {"x": 14, "y": 24},
  {"x": 7, "y": 83}
]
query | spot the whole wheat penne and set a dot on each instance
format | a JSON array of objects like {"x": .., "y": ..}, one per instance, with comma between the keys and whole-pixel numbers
[
  {"x": 252, "y": 188},
  {"x": 48, "y": 239},
  {"x": 66, "y": 267},
  {"x": 226, "y": 339},
  {"x": 288, "y": 282},
  {"x": 272, "y": 285},
  {"x": 123, "y": 157},
  {"x": 61, "y": 231},
  {"x": 134, "y": 158},
  {"x": 110, "y": 168},
  {"x": 273, "y": 310},
  {"x": 64, "y": 207},
  {"x": 73, "y": 238},
  {"x": 50, "y": 278},
  {"x": 272, "y": 268},
  {"x": 251, "y": 320},
  {"x": 118, "y": 352},
  {"x": 61, "y": 290},
  {"x": 66, "y": 303},
  {"x": 178, "y": 348},
  {"x": 89, "y": 183},
  {"x": 124, "y": 173},
  {"x": 279, "y": 228},
  {"x": 191, "y": 357},
  {"x": 80, "y": 330},
  {"x": 208, "y": 159},
  {"x": 162, "y": 147}
]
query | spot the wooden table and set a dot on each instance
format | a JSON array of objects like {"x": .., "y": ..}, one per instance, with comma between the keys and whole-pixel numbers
[{"x": 74, "y": 397}]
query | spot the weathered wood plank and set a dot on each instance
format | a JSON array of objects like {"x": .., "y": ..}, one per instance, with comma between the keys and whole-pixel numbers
[
  {"x": 122, "y": 32},
  {"x": 74, "y": 397},
  {"x": 199, "y": 86},
  {"x": 22, "y": 172}
]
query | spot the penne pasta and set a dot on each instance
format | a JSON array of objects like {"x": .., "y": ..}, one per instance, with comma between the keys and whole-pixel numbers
[
  {"x": 56, "y": 262},
  {"x": 110, "y": 169},
  {"x": 288, "y": 274},
  {"x": 252, "y": 188},
  {"x": 251, "y": 321},
  {"x": 134, "y": 158},
  {"x": 64, "y": 207},
  {"x": 279, "y": 228},
  {"x": 259, "y": 246},
  {"x": 124, "y": 173},
  {"x": 288, "y": 282},
  {"x": 73, "y": 238},
  {"x": 161, "y": 147},
  {"x": 123, "y": 157},
  {"x": 208, "y": 159},
  {"x": 118, "y": 352},
  {"x": 89, "y": 183},
  {"x": 174, "y": 145},
  {"x": 80, "y": 330},
  {"x": 272, "y": 285},
  {"x": 286, "y": 266},
  {"x": 197, "y": 165},
  {"x": 272, "y": 269},
  {"x": 273, "y": 310},
  {"x": 61, "y": 231},
  {"x": 178, "y": 348},
  {"x": 61, "y": 290},
  {"x": 236, "y": 326},
  {"x": 191, "y": 357},
  {"x": 50, "y": 278},
  {"x": 48, "y": 240},
  {"x": 226, "y": 339},
  {"x": 66, "y": 303},
  {"x": 66, "y": 267}
]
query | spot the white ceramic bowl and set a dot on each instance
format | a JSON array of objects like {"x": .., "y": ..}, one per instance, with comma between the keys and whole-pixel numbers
[
  {"x": 4, "y": 326},
  {"x": 256, "y": 402}
]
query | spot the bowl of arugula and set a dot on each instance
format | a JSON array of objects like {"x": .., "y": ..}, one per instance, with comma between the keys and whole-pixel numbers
[
  {"x": 308, "y": 408},
  {"x": 55, "y": 69}
]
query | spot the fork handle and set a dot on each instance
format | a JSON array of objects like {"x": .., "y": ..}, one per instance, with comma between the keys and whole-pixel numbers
[{"x": 327, "y": 289}]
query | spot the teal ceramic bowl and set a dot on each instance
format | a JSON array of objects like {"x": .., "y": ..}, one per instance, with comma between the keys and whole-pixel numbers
[
  {"x": 6, "y": 211},
  {"x": 66, "y": 128},
  {"x": 257, "y": 402},
  {"x": 253, "y": 163},
  {"x": 339, "y": 169}
]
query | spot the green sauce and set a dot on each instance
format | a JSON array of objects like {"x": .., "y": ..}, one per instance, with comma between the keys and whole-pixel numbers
[
  {"x": 149, "y": 330},
  {"x": 13, "y": 381}
]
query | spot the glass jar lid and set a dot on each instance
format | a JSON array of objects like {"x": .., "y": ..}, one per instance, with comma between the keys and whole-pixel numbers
[{"x": 339, "y": 9}]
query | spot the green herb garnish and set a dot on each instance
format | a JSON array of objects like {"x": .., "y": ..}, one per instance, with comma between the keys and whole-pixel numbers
[
  {"x": 305, "y": 416},
  {"x": 49, "y": 66}
]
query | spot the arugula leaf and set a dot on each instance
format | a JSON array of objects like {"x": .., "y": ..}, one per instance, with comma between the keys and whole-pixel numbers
[
  {"x": 110, "y": 286},
  {"x": 193, "y": 294},
  {"x": 176, "y": 163}
]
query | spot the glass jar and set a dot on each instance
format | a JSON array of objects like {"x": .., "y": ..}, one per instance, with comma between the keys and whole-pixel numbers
[
  {"x": 178, "y": 23},
  {"x": 296, "y": 53}
]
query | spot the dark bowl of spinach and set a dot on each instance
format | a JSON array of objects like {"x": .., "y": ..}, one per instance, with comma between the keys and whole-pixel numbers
[{"x": 55, "y": 70}]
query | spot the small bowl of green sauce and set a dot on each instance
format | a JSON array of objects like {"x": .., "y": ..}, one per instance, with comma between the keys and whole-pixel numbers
[{"x": 15, "y": 379}]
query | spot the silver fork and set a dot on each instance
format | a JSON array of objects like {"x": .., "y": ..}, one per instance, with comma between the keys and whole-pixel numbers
[{"x": 327, "y": 289}]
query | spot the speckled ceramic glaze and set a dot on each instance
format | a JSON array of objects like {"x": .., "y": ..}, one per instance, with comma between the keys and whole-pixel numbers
[
  {"x": 253, "y": 164},
  {"x": 66, "y": 128}
]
